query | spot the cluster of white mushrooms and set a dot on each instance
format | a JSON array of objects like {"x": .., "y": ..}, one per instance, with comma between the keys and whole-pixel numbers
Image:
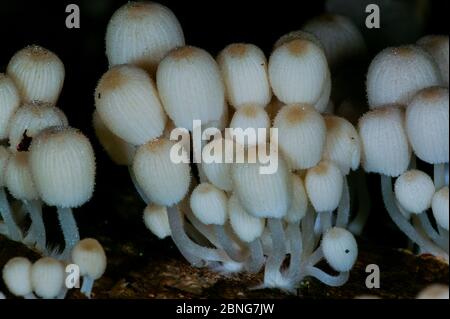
[{"x": 42, "y": 161}]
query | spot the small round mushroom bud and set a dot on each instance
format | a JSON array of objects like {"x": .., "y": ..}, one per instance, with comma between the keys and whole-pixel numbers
[
  {"x": 89, "y": 255},
  {"x": 299, "y": 203},
  {"x": 190, "y": 86},
  {"x": 63, "y": 166},
  {"x": 324, "y": 184},
  {"x": 38, "y": 74},
  {"x": 298, "y": 71},
  {"x": 209, "y": 204},
  {"x": 120, "y": 151},
  {"x": 439, "y": 205},
  {"x": 142, "y": 33},
  {"x": 298, "y": 35},
  {"x": 385, "y": 147},
  {"x": 396, "y": 74},
  {"x": 30, "y": 119},
  {"x": 162, "y": 180},
  {"x": 244, "y": 71},
  {"x": 253, "y": 118},
  {"x": 414, "y": 191},
  {"x": 427, "y": 119},
  {"x": 156, "y": 220},
  {"x": 127, "y": 101},
  {"x": 434, "y": 291},
  {"x": 342, "y": 145},
  {"x": 16, "y": 275},
  {"x": 47, "y": 277},
  {"x": 340, "y": 249},
  {"x": 218, "y": 168},
  {"x": 341, "y": 39},
  {"x": 302, "y": 134},
  {"x": 437, "y": 46},
  {"x": 9, "y": 102}
]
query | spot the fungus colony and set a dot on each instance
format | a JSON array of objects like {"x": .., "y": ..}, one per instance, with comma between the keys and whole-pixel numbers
[{"x": 231, "y": 217}]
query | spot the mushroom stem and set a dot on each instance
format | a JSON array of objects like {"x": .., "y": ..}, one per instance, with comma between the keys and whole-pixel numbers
[
  {"x": 343, "y": 213},
  {"x": 227, "y": 244},
  {"x": 14, "y": 231},
  {"x": 257, "y": 259},
  {"x": 326, "y": 221},
  {"x": 86, "y": 286},
  {"x": 358, "y": 223},
  {"x": 69, "y": 229},
  {"x": 278, "y": 253},
  {"x": 205, "y": 230},
  {"x": 422, "y": 221},
  {"x": 307, "y": 225},
  {"x": 37, "y": 228},
  {"x": 193, "y": 252},
  {"x": 333, "y": 281},
  {"x": 294, "y": 236},
  {"x": 402, "y": 223},
  {"x": 439, "y": 175}
]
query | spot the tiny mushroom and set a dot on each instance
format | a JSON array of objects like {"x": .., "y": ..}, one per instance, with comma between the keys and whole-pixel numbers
[
  {"x": 47, "y": 277},
  {"x": 17, "y": 277}
]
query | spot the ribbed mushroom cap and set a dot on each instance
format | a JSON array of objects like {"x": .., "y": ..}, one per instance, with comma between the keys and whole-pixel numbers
[
  {"x": 251, "y": 118},
  {"x": 385, "y": 147},
  {"x": 323, "y": 104},
  {"x": 247, "y": 227},
  {"x": 437, "y": 46},
  {"x": 342, "y": 145},
  {"x": 340, "y": 249},
  {"x": 4, "y": 156},
  {"x": 32, "y": 118},
  {"x": 47, "y": 277},
  {"x": 440, "y": 207},
  {"x": 298, "y": 71},
  {"x": 163, "y": 181},
  {"x": 262, "y": 195},
  {"x": 9, "y": 102},
  {"x": 190, "y": 86},
  {"x": 298, "y": 35},
  {"x": 17, "y": 276},
  {"x": 209, "y": 204},
  {"x": 427, "y": 125},
  {"x": 244, "y": 71},
  {"x": 396, "y": 74},
  {"x": 157, "y": 221},
  {"x": 18, "y": 177},
  {"x": 217, "y": 164},
  {"x": 301, "y": 135},
  {"x": 142, "y": 33},
  {"x": 299, "y": 202},
  {"x": 414, "y": 191},
  {"x": 128, "y": 103},
  {"x": 120, "y": 151},
  {"x": 324, "y": 184},
  {"x": 63, "y": 166},
  {"x": 89, "y": 255},
  {"x": 38, "y": 74}
]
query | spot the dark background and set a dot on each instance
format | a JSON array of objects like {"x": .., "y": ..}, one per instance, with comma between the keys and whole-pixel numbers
[{"x": 207, "y": 24}]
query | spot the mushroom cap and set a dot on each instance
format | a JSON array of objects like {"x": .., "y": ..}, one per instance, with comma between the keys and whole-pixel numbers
[
  {"x": 157, "y": 220},
  {"x": 63, "y": 166},
  {"x": 38, "y": 74},
  {"x": 89, "y": 256},
  {"x": 324, "y": 185},
  {"x": 414, "y": 191},
  {"x": 209, "y": 204},
  {"x": 4, "y": 156},
  {"x": 434, "y": 291},
  {"x": 190, "y": 86},
  {"x": 340, "y": 249},
  {"x": 120, "y": 151},
  {"x": 253, "y": 118},
  {"x": 427, "y": 119},
  {"x": 262, "y": 195},
  {"x": 385, "y": 147},
  {"x": 323, "y": 104},
  {"x": 162, "y": 180},
  {"x": 298, "y": 35},
  {"x": 246, "y": 226},
  {"x": 128, "y": 103},
  {"x": 47, "y": 277},
  {"x": 440, "y": 208},
  {"x": 342, "y": 145},
  {"x": 16, "y": 275},
  {"x": 217, "y": 165},
  {"x": 437, "y": 46},
  {"x": 9, "y": 102},
  {"x": 297, "y": 71},
  {"x": 301, "y": 135},
  {"x": 244, "y": 71},
  {"x": 18, "y": 177},
  {"x": 32, "y": 118},
  {"x": 299, "y": 202},
  {"x": 396, "y": 74},
  {"x": 142, "y": 33}
]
